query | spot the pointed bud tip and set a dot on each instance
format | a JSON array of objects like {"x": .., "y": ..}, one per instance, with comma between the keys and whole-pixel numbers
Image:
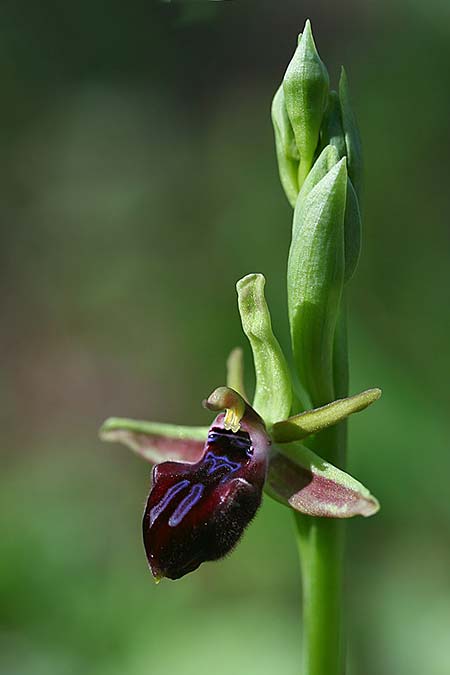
[
  {"x": 341, "y": 170},
  {"x": 331, "y": 155},
  {"x": 336, "y": 174},
  {"x": 306, "y": 38},
  {"x": 307, "y": 30}
]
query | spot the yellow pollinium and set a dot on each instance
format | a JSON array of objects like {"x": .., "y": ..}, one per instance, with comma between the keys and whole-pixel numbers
[
  {"x": 224, "y": 398},
  {"x": 232, "y": 420}
]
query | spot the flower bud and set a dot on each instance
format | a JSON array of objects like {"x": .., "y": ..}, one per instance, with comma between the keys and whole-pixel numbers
[
  {"x": 306, "y": 85},
  {"x": 286, "y": 149},
  {"x": 315, "y": 281}
]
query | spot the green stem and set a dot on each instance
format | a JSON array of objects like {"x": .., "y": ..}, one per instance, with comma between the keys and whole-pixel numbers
[
  {"x": 321, "y": 551},
  {"x": 321, "y": 548}
]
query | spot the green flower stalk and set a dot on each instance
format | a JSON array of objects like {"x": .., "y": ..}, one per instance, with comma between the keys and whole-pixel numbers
[
  {"x": 324, "y": 253},
  {"x": 288, "y": 440}
]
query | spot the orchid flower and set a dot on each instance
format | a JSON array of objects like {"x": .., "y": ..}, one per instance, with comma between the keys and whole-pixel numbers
[{"x": 207, "y": 484}]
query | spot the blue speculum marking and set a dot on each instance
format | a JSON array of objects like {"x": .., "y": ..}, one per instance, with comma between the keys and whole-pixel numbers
[
  {"x": 216, "y": 462},
  {"x": 211, "y": 471},
  {"x": 186, "y": 504},
  {"x": 165, "y": 501},
  {"x": 198, "y": 511}
]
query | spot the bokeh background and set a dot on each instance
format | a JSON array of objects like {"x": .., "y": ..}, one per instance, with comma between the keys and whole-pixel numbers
[{"x": 137, "y": 183}]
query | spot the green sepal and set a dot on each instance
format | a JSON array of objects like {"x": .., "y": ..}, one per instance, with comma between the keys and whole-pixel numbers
[
  {"x": 352, "y": 232},
  {"x": 306, "y": 86},
  {"x": 326, "y": 160},
  {"x": 310, "y": 422},
  {"x": 155, "y": 441},
  {"x": 304, "y": 481},
  {"x": 315, "y": 281},
  {"x": 286, "y": 149},
  {"x": 176, "y": 431},
  {"x": 273, "y": 391},
  {"x": 332, "y": 131},
  {"x": 352, "y": 135}
]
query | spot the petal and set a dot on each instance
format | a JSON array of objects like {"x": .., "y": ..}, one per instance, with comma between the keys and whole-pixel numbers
[
  {"x": 302, "y": 480},
  {"x": 235, "y": 371},
  {"x": 198, "y": 512},
  {"x": 312, "y": 421},
  {"x": 154, "y": 441}
]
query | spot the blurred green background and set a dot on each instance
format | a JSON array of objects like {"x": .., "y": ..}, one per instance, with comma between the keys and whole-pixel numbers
[{"x": 138, "y": 182}]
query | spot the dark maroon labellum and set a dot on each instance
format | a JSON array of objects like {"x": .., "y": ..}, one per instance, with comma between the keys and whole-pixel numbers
[{"x": 198, "y": 512}]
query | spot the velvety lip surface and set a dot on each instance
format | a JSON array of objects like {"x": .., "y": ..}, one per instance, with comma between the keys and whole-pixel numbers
[{"x": 198, "y": 512}]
